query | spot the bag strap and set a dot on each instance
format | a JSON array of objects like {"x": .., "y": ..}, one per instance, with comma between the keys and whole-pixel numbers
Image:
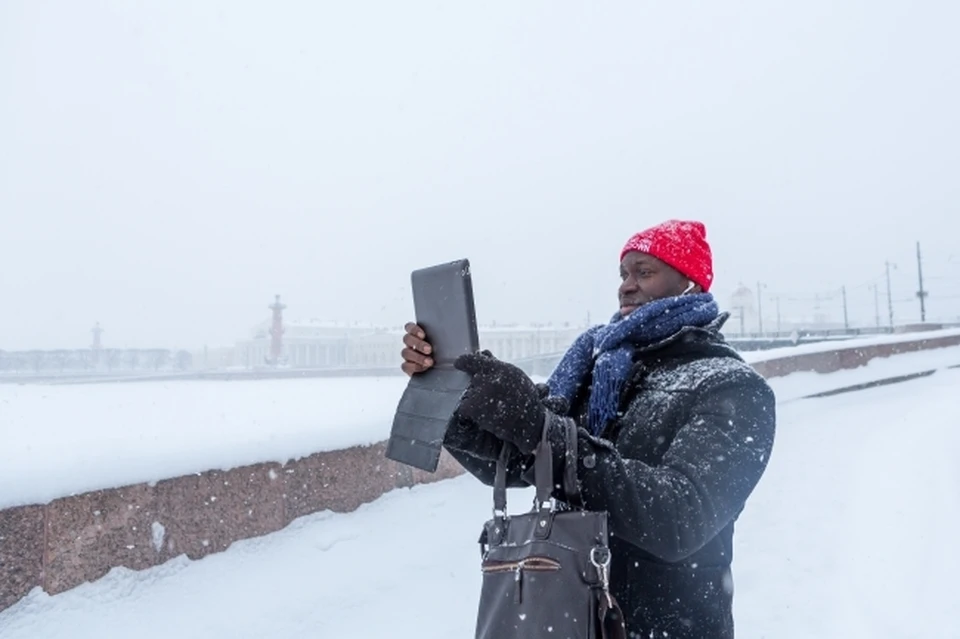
[
  {"x": 500, "y": 480},
  {"x": 543, "y": 465},
  {"x": 612, "y": 623},
  {"x": 542, "y": 469},
  {"x": 571, "y": 487}
]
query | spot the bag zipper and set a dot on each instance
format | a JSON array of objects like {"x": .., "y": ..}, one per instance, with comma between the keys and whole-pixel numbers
[{"x": 535, "y": 564}]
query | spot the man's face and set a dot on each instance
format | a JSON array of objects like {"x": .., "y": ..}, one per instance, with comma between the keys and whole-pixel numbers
[{"x": 645, "y": 278}]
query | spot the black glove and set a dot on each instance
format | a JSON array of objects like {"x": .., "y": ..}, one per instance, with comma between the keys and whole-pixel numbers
[
  {"x": 501, "y": 400},
  {"x": 553, "y": 403}
]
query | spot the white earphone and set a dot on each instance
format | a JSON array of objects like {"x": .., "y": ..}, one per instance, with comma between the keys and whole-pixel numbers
[{"x": 689, "y": 288}]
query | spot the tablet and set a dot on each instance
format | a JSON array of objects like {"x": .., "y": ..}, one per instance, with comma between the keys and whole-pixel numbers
[{"x": 444, "y": 309}]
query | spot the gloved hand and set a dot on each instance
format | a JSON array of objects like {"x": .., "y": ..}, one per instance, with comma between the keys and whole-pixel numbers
[
  {"x": 553, "y": 403},
  {"x": 501, "y": 400}
]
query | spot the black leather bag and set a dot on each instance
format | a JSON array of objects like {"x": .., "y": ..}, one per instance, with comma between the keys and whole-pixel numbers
[{"x": 546, "y": 572}]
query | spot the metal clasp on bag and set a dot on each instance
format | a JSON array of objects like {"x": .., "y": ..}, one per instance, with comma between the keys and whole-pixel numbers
[
  {"x": 538, "y": 505},
  {"x": 600, "y": 558},
  {"x": 497, "y": 529},
  {"x": 544, "y": 517}
]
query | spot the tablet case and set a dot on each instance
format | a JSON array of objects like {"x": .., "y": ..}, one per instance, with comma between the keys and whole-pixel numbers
[{"x": 444, "y": 308}]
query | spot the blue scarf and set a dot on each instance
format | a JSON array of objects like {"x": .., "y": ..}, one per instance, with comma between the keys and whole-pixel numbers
[{"x": 608, "y": 350}]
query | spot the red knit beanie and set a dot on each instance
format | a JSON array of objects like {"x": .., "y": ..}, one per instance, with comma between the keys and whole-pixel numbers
[{"x": 680, "y": 243}]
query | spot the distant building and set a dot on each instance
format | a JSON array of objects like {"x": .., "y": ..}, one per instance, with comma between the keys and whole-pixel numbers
[
  {"x": 321, "y": 344},
  {"x": 309, "y": 344},
  {"x": 516, "y": 342},
  {"x": 87, "y": 361},
  {"x": 215, "y": 358}
]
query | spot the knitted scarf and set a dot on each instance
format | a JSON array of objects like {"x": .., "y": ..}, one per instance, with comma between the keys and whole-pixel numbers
[{"x": 608, "y": 349}]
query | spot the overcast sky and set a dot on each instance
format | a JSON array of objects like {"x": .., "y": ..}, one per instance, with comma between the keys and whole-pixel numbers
[{"x": 167, "y": 167}]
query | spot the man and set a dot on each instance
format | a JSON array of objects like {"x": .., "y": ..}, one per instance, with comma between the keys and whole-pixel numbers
[{"x": 675, "y": 431}]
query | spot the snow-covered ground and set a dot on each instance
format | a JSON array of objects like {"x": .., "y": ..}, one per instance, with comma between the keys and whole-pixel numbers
[
  {"x": 851, "y": 534},
  {"x": 63, "y": 440}
]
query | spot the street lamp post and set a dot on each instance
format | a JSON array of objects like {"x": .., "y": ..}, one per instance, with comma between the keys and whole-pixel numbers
[
  {"x": 778, "y": 314},
  {"x": 889, "y": 294},
  {"x": 760, "y": 288}
]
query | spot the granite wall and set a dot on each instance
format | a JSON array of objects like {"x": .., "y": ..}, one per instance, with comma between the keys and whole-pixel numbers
[
  {"x": 76, "y": 539},
  {"x": 850, "y": 357}
]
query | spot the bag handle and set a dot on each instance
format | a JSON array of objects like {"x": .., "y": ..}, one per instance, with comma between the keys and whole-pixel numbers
[
  {"x": 500, "y": 481},
  {"x": 571, "y": 487},
  {"x": 542, "y": 471}
]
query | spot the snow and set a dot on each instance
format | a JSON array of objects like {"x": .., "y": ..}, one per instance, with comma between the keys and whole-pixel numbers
[
  {"x": 852, "y": 531},
  {"x": 846, "y": 344},
  {"x": 849, "y": 534},
  {"x": 158, "y": 534},
  {"x": 64, "y": 440}
]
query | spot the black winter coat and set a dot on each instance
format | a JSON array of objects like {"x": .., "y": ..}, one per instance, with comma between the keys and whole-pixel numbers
[{"x": 674, "y": 471}]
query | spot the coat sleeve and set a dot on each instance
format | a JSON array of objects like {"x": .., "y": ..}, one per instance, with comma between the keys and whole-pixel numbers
[
  {"x": 712, "y": 466},
  {"x": 477, "y": 451}
]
